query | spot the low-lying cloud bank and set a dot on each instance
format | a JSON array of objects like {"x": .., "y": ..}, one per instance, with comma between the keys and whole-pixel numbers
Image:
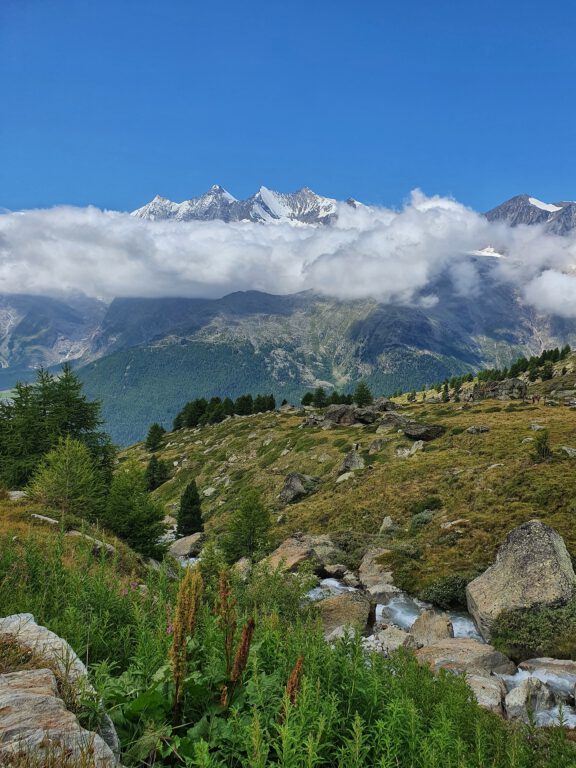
[{"x": 369, "y": 252}]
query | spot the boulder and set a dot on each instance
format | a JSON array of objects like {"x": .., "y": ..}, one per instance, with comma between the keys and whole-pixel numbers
[
  {"x": 297, "y": 486},
  {"x": 509, "y": 389},
  {"x": 529, "y": 697},
  {"x": 489, "y": 692},
  {"x": 376, "y": 446},
  {"x": 187, "y": 546},
  {"x": 344, "y": 477},
  {"x": 382, "y": 404},
  {"x": 536, "y": 427},
  {"x": 405, "y": 453},
  {"x": 390, "y": 422},
  {"x": 376, "y": 578},
  {"x": 242, "y": 568},
  {"x": 570, "y": 452},
  {"x": 532, "y": 570},
  {"x": 478, "y": 430},
  {"x": 37, "y": 729},
  {"x": 426, "y": 432},
  {"x": 352, "y": 462},
  {"x": 340, "y": 414},
  {"x": 387, "y": 524},
  {"x": 352, "y": 609},
  {"x": 16, "y": 495},
  {"x": 431, "y": 627},
  {"x": 389, "y": 639},
  {"x": 318, "y": 550},
  {"x": 558, "y": 674},
  {"x": 366, "y": 415},
  {"x": 462, "y": 654}
]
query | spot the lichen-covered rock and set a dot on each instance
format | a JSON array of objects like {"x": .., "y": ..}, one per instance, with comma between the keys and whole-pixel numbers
[
  {"x": 533, "y": 569},
  {"x": 462, "y": 654},
  {"x": 416, "y": 431},
  {"x": 319, "y": 550},
  {"x": 352, "y": 462},
  {"x": 36, "y": 726},
  {"x": 431, "y": 627},
  {"x": 489, "y": 692},
  {"x": 297, "y": 486},
  {"x": 352, "y": 609}
]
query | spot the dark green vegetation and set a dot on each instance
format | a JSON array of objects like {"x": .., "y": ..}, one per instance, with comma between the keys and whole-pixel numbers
[
  {"x": 538, "y": 632},
  {"x": 190, "y": 511},
  {"x": 213, "y": 673},
  {"x": 199, "y": 412}
]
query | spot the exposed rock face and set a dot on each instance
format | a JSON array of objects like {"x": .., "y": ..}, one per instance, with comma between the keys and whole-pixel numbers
[
  {"x": 301, "y": 548},
  {"x": 489, "y": 692},
  {"x": 347, "y": 609},
  {"x": 389, "y": 639},
  {"x": 377, "y": 578},
  {"x": 187, "y": 546},
  {"x": 461, "y": 654},
  {"x": 22, "y": 629},
  {"x": 34, "y": 722},
  {"x": 426, "y": 432},
  {"x": 297, "y": 486},
  {"x": 529, "y": 697},
  {"x": 532, "y": 569},
  {"x": 352, "y": 462},
  {"x": 431, "y": 627},
  {"x": 509, "y": 389}
]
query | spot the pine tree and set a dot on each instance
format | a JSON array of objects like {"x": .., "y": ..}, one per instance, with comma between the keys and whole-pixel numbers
[
  {"x": 363, "y": 395},
  {"x": 445, "y": 393},
  {"x": 308, "y": 398},
  {"x": 157, "y": 473},
  {"x": 249, "y": 528},
  {"x": 132, "y": 514},
  {"x": 319, "y": 399},
  {"x": 67, "y": 481},
  {"x": 154, "y": 437},
  {"x": 190, "y": 511}
]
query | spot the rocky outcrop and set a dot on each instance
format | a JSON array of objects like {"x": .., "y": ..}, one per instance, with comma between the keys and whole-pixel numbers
[
  {"x": 297, "y": 486},
  {"x": 36, "y": 726},
  {"x": 509, "y": 389},
  {"x": 349, "y": 609},
  {"x": 391, "y": 422},
  {"x": 416, "y": 431},
  {"x": 489, "y": 692},
  {"x": 33, "y": 717},
  {"x": 529, "y": 697},
  {"x": 532, "y": 570},
  {"x": 388, "y": 639},
  {"x": 319, "y": 550},
  {"x": 187, "y": 546},
  {"x": 558, "y": 674},
  {"x": 461, "y": 654},
  {"x": 375, "y": 577},
  {"x": 352, "y": 462},
  {"x": 431, "y": 627}
]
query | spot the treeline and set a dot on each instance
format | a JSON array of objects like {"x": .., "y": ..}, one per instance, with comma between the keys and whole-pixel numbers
[
  {"x": 320, "y": 399},
  {"x": 538, "y": 366},
  {"x": 200, "y": 412},
  {"x": 51, "y": 444}
]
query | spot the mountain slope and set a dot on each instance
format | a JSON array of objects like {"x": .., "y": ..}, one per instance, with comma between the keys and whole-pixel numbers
[{"x": 557, "y": 218}]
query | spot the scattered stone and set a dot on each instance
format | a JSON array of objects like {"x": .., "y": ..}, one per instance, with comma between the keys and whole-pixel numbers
[
  {"x": 285, "y": 452},
  {"x": 297, "y": 486},
  {"x": 376, "y": 446},
  {"x": 346, "y": 609},
  {"x": 478, "y": 430},
  {"x": 431, "y": 627},
  {"x": 488, "y": 691},
  {"x": 16, "y": 495},
  {"x": 344, "y": 477},
  {"x": 536, "y": 427},
  {"x": 532, "y": 570},
  {"x": 208, "y": 492},
  {"x": 463, "y": 654},
  {"x": 377, "y": 578},
  {"x": 323, "y": 458},
  {"x": 387, "y": 524},
  {"x": 494, "y": 466},
  {"x": 416, "y": 431},
  {"x": 570, "y": 452},
  {"x": 352, "y": 462},
  {"x": 405, "y": 453},
  {"x": 389, "y": 639},
  {"x": 187, "y": 546},
  {"x": 44, "y": 519},
  {"x": 98, "y": 547},
  {"x": 527, "y": 440},
  {"x": 453, "y": 523},
  {"x": 529, "y": 697},
  {"x": 242, "y": 568}
]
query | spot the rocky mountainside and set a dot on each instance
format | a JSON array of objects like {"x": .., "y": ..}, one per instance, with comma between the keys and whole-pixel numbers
[
  {"x": 303, "y": 206},
  {"x": 557, "y": 218}
]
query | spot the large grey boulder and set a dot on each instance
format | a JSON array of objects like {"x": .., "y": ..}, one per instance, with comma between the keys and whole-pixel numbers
[
  {"x": 489, "y": 691},
  {"x": 348, "y": 609},
  {"x": 297, "y": 486},
  {"x": 318, "y": 550},
  {"x": 528, "y": 698},
  {"x": 509, "y": 389},
  {"x": 37, "y": 729},
  {"x": 352, "y": 462},
  {"x": 187, "y": 546},
  {"x": 462, "y": 654},
  {"x": 389, "y": 639},
  {"x": 391, "y": 422},
  {"x": 558, "y": 674},
  {"x": 532, "y": 570},
  {"x": 340, "y": 414},
  {"x": 416, "y": 431}
]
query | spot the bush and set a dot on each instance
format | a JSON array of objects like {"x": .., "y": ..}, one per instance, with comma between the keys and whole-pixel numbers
[
  {"x": 430, "y": 503},
  {"x": 448, "y": 593},
  {"x": 526, "y": 634},
  {"x": 420, "y": 519},
  {"x": 542, "y": 451},
  {"x": 248, "y": 531}
]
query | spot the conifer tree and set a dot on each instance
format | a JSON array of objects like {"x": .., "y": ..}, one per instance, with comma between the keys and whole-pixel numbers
[
  {"x": 154, "y": 437},
  {"x": 248, "y": 531},
  {"x": 157, "y": 473},
  {"x": 190, "y": 511},
  {"x": 319, "y": 399},
  {"x": 363, "y": 395}
]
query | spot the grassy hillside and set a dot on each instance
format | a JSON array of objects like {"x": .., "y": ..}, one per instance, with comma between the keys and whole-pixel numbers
[{"x": 478, "y": 486}]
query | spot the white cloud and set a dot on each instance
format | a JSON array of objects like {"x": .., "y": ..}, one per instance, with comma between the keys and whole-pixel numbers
[{"x": 368, "y": 252}]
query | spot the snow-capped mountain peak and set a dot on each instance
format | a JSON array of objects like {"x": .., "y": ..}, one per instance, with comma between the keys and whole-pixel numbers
[{"x": 557, "y": 218}]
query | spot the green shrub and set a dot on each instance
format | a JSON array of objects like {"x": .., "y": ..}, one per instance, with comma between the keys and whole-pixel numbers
[
  {"x": 532, "y": 633},
  {"x": 448, "y": 593},
  {"x": 420, "y": 519},
  {"x": 430, "y": 503}
]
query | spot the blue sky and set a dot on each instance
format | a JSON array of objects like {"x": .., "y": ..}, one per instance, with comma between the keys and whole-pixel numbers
[{"x": 111, "y": 102}]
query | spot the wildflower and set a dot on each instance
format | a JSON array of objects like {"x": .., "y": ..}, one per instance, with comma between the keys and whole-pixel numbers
[
  {"x": 185, "y": 616},
  {"x": 243, "y": 649},
  {"x": 293, "y": 683}
]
